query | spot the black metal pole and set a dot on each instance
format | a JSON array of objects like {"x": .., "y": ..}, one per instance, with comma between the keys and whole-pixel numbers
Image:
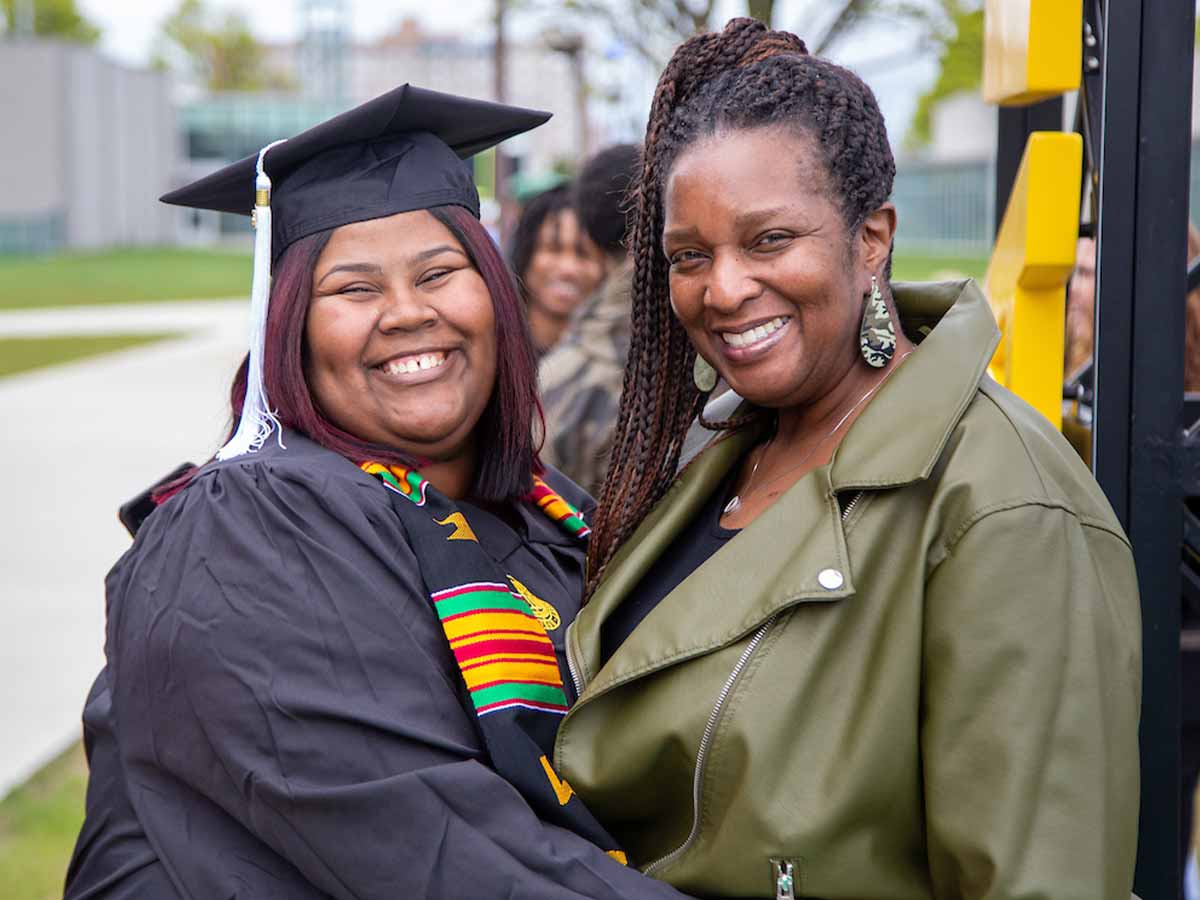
[
  {"x": 1016, "y": 123},
  {"x": 1140, "y": 291}
]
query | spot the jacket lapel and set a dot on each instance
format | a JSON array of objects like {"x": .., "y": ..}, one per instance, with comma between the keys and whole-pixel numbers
[
  {"x": 772, "y": 564},
  {"x": 669, "y": 516}
]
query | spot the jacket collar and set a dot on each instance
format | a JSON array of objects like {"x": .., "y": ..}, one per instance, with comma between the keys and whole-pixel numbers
[
  {"x": 898, "y": 438},
  {"x": 697, "y": 616},
  {"x": 895, "y": 441}
]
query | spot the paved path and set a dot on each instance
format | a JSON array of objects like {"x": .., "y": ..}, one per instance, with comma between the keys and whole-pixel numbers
[
  {"x": 130, "y": 318},
  {"x": 77, "y": 440}
]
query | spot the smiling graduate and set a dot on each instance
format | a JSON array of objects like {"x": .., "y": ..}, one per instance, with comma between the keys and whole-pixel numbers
[{"x": 335, "y": 652}]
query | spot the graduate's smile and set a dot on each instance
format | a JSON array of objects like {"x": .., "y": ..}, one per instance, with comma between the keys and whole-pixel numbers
[{"x": 418, "y": 367}]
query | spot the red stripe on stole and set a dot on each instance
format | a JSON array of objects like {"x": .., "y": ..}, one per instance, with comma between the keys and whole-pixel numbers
[
  {"x": 536, "y": 704},
  {"x": 488, "y": 648},
  {"x": 481, "y": 587},
  {"x": 533, "y": 637}
]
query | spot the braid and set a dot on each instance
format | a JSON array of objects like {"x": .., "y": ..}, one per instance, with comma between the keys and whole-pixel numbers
[{"x": 745, "y": 76}]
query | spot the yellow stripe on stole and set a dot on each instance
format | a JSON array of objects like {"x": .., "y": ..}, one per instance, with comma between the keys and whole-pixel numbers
[
  {"x": 512, "y": 671},
  {"x": 539, "y": 638},
  {"x": 500, "y": 620},
  {"x": 555, "y": 507}
]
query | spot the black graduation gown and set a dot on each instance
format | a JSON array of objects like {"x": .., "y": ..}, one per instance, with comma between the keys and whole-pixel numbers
[{"x": 281, "y": 717}]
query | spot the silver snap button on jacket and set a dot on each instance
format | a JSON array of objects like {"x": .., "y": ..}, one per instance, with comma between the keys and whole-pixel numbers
[{"x": 830, "y": 579}]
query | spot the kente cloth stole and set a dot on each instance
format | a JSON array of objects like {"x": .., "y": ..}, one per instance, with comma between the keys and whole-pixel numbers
[{"x": 496, "y": 629}]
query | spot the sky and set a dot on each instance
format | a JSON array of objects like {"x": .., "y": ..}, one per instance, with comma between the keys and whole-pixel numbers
[{"x": 130, "y": 28}]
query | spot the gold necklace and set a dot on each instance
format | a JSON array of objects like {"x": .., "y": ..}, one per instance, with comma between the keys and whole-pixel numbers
[{"x": 736, "y": 502}]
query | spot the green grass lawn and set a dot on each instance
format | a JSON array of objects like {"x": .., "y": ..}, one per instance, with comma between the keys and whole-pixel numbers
[
  {"x": 38, "y": 824},
  {"x": 122, "y": 276},
  {"x": 912, "y": 267},
  {"x": 23, "y": 354}
]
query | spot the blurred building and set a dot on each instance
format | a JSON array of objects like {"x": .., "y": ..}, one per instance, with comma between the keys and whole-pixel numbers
[
  {"x": 321, "y": 53},
  {"x": 944, "y": 191},
  {"x": 89, "y": 145},
  {"x": 332, "y": 74},
  {"x": 537, "y": 77}
]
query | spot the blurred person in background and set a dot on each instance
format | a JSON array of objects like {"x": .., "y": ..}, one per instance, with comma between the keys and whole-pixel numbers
[
  {"x": 881, "y": 638},
  {"x": 334, "y": 652},
  {"x": 1081, "y": 313},
  {"x": 581, "y": 378},
  {"x": 555, "y": 261},
  {"x": 1080, "y": 321}
]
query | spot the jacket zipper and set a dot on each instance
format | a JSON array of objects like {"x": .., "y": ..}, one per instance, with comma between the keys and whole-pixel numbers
[
  {"x": 710, "y": 728},
  {"x": 575, "y": 679},
  {"x": 850, "y": 506}
]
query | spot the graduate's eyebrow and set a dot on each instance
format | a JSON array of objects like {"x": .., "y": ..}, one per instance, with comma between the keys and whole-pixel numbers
[
  {"x": 436, "y": 251},
  {"x": 366, "y": 268}
]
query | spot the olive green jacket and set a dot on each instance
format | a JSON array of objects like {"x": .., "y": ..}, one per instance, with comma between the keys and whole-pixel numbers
[{"x": 916, "y": 675}]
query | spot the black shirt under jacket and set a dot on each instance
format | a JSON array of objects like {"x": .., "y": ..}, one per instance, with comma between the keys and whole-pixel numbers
[
  {"x": 281, "y": 716},
  {"x": 691, "y": 548}
]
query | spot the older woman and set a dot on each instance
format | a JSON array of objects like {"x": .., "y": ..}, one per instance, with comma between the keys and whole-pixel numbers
[
  {"x": 880, "y": 639},
  {"x": 333, "y": 651}
]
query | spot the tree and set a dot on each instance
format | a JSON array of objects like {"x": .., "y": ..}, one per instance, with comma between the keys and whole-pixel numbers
[
  {"x": 960, "y": 65},
  {"x": 763, "y": 10},
  {"x": 51, "y": 18},
  {"x": 651, "y": 28},
  {"x": 222, "y": 52},
  {"x": 953, "y": 29}
]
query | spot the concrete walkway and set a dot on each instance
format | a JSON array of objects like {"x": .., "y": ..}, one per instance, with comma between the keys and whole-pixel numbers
[
  {"x": 134, "y": 318},
  {"x": 77, "y": 441}
]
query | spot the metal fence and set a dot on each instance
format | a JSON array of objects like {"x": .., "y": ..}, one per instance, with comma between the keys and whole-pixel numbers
[
  {"x": 33, "y": 235},
  {"x": 944, "y": 209}
]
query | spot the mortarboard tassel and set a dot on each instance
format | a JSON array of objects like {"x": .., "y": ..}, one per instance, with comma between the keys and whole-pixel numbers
[{"x": 258, "y": 419}]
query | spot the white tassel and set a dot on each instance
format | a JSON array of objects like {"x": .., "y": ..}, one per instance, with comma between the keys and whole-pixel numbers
[{"x": 258, "y": 419}]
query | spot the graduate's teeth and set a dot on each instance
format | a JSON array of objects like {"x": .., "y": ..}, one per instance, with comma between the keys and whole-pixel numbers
[
  {"x": 409, "y": 364},
  {"x": 755, "y": 334}
]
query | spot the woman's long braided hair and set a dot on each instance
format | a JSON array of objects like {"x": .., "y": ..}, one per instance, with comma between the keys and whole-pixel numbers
[{"x": 746, "y": 76}]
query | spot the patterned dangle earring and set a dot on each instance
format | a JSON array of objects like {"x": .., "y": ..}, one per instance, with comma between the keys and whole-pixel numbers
[
  {"x": 877, "y": 334},
  {"x": 704, "y": 375}
]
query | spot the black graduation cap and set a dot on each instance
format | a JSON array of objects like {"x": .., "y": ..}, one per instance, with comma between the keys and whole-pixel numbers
[{"x": 401, "y": 151}]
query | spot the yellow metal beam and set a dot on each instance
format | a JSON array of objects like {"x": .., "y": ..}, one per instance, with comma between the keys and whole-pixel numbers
[
  {"x": 1032, "y": 50},
  {"x": 1031, "y": 262}
]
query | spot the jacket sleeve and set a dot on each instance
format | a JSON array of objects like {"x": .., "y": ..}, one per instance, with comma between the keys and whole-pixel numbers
[
  {"x": 580, "y": 397},
  {"x": 273, "y": 650},
  {"x": 1030, "y": 710}
]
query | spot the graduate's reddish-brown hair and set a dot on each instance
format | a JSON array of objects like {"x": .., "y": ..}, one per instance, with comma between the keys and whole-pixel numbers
[{"x": 508, "y": 452}]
